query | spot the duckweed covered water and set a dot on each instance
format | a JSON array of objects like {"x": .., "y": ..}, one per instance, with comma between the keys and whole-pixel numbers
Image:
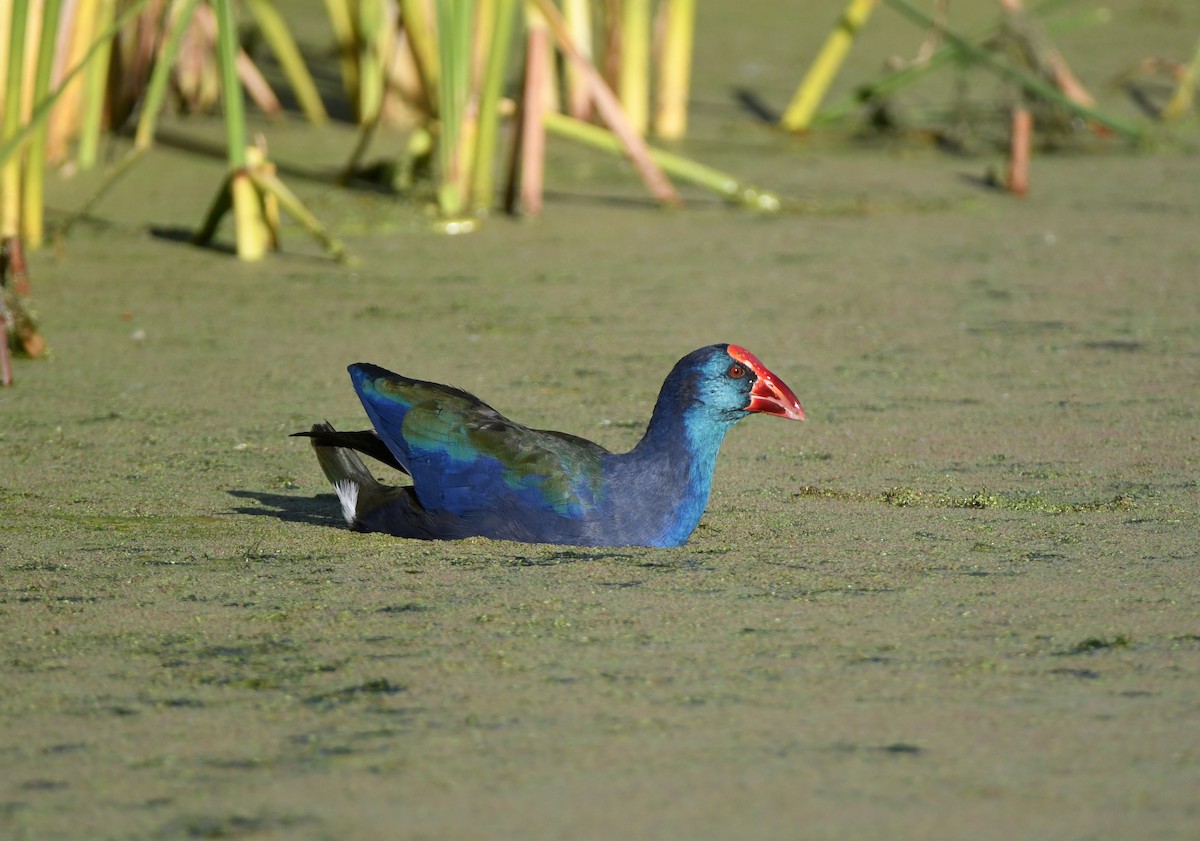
[{"x": 963, "y": 598}]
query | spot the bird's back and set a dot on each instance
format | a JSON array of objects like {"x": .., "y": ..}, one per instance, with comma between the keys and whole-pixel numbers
[{"x": 469, "y": 461}]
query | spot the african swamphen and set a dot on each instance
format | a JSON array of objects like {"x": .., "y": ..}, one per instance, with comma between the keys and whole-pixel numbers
[{"x": 476, "y": 473}]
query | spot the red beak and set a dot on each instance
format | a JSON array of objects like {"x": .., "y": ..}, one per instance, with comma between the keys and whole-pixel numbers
[{"x": 770, "y": 395}]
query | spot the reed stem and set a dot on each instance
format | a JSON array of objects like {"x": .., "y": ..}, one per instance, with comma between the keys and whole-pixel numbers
[
  {"x": 454, "y": 56},
  {"x": 721, "y": 183},
  {"x": 231, "y": 89},
  {"x": 372, "y": 41},
  {"x": 578, "y": 17},
  {"x": 675, "y": 70},
  {"x": 95, "y": 83},
  {"x": 420, "y": 27},
  {"x": 275, "y": 30},
  {"x": 252, "y": 235},
  {"x": 829, "y": 60},
  {"x": 10, "y": 176},
  {"x": 610, "y": 110},
  {"x": 532, "y": 147},
  {"x": 634, "y": 80},
  {"x": 269, "y": 184},
  {"x": 483, "y": 177},
  {"x": 1185, "y": 89},
  {"x": 341, "y": 20},
  {"x": 1019, "y": 151},
  {"x": 33, "y": 217}
]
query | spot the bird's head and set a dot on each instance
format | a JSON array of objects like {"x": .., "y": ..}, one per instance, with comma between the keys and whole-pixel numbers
[{"x": 729, "y": 382}]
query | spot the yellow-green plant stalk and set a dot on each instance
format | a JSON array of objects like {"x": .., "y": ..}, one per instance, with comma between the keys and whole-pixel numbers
[
  {"x": 5, "y": 34},
  {"x": 421, "y": 27},
  {"x": 252, "y": 234},
  {"x": 721, "y": 183},
  {"x": 259, "y": 170},
  {"x": 273, "y": 196},
  {"x": 454, "y": 26},
  {"x": 95, "y": 83},
  {"x": 1185, "y": 89},
  {"x": 250, "y": 226},
  {"x": 270, "y": 185},
  {"x": 578, "y": 16},
  {"x": 64, "y": 122},
  {"x": 372, "y": 46},
  {"x": 476, "y": 41},
  {"x": 156, "y": 88},
  {"x": 825, "y": 66},
  {"x": 32, "y": 220},
  {"x": 13, "y": 312},
  {"x": 10, "y": 175},
  {"x": 675, "y": 70},
  {"x": 483, "y": 28},
  {"x": 634, "y": 84},
  {"x": 483, "y": 175},
  {"x": 231, "y": 88},
  {"x": 276, "y": 33},
  {"x": 373, "y": 42},
  {"x": 341, "y": 20},
  {"x": 378, "y": 48}
]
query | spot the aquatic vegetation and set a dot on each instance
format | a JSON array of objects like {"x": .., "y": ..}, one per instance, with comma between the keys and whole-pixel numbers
[
  {"x": 906, "y": 497},
  {"x": 1092, "y": 644}
]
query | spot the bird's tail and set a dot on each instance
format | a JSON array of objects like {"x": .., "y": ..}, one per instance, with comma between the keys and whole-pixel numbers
[{"x": 359, "y": 492}]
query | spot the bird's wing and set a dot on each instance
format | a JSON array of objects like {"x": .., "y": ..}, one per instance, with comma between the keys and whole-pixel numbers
[{"x": 466, "y": 458}]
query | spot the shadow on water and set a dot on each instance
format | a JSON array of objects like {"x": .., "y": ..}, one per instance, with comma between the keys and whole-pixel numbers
[
  {"x": 320, "y": 510},
  {"x": 183, "y": 236},
  {"x": 751, "y": 103},
  {"x": 569, "y": 556}
]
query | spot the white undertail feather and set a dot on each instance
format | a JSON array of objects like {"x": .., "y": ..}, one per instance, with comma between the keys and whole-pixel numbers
[
  {"x": 357, "y": 489},
  {"x": 347, "y": 493}
]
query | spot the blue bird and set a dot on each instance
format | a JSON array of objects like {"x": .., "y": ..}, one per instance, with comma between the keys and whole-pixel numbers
[{"x": 476, "y": 473}]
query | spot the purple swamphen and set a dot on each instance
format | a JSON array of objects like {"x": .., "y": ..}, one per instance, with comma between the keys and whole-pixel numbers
[{"x": 476, "y": 473}]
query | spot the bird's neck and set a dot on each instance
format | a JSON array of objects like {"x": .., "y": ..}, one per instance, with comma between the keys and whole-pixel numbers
[
  {"x": 679, "y": 450},
  {"x": 686, "y": 437}
]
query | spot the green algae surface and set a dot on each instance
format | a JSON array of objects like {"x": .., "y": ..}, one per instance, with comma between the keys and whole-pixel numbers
[{"x": 962, "y": 599}]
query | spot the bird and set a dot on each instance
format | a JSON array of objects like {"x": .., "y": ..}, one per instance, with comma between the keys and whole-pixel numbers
[{"x": 475, "y": 473}]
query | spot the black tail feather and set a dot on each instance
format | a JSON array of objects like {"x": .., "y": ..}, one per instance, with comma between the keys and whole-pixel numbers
[{"x": 366, "y": 441}]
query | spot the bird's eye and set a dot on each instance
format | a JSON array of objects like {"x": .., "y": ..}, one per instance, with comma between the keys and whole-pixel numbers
[{"x": 737, "y": 371}]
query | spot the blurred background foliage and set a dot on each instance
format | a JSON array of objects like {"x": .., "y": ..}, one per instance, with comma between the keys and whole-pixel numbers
[
  {"x": 471, "y": 88},
  {"x": 451, "y": 75},
  {"x": 463, "y": 94}
]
